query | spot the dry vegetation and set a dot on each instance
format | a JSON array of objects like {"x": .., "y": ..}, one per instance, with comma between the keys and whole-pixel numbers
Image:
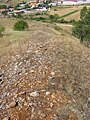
[
  {"x": 62, "y": 10},
  {"x": 75, "y": 16},
  {"x": 44, "y": 73}
]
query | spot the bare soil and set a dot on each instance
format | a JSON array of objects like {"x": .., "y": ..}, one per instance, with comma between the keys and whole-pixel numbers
[{"x": 46, "y": 72}]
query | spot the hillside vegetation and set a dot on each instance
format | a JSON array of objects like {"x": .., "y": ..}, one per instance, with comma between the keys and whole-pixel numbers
[{"x": 82, "y": 27}]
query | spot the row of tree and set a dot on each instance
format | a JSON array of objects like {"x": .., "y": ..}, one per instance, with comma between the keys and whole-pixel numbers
[{"x": 81, "y": 28}]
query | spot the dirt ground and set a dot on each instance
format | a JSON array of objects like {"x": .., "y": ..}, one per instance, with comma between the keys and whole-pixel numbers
[{"x": 44, "y": 74}]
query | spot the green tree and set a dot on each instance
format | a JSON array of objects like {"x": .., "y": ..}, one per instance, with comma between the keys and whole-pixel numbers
[
  {"x": 83, "y": 12},
  {"x": 81, "y": 28},
  {"x": 2, "y": 29},
  {"x": 86, "y": 19},
  {"x": 87, "y": 40},
  {"x": 21, "y": 25},
  {"x": 81, "y": 31}
]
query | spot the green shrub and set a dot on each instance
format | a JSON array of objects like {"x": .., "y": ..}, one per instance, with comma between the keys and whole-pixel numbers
[
  {"x": 19, "y": 16},
  {"x": 72, "y": 21},
  {"x": 39, "y": 19},
  {"x": 4, "y": 12},
  {"x": 41, "y": 13},
  {"x": 3, "y": 6},
  {"x": 66, "y": 22},
  {"x": 54, "y": 18},
  {"x": 21, "y": 25},
  {"x": 57, "y": 28},
  {"x": 37, "y": 13},
  {"x": 63, "y": 21},
  {"x": 55, "y": 9}
]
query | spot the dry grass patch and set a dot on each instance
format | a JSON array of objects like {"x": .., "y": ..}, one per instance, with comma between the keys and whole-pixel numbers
[
  {"x": 75, "y": 16},
  {"x": 65, "y": 10}
]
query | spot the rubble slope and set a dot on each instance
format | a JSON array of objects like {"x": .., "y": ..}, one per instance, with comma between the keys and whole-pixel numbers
[{"x": 46, "y": 78}]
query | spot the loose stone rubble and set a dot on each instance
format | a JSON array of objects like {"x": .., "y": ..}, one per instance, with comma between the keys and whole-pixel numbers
[{"x": 48, "y": 81}]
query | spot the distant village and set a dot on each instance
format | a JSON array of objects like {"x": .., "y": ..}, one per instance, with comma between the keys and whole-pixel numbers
[
  {"x": 25, "y": 7},
  {"x": 34, "y": 6}
]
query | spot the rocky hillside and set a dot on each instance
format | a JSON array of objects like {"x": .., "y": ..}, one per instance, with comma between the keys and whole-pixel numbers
[{"x": 46, "y": 78}]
